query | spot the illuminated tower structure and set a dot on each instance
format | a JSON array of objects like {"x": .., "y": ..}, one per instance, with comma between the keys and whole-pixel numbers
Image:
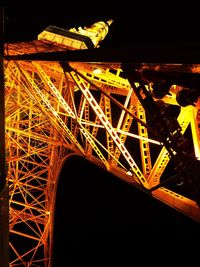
[{"x": 56, "y": 110}]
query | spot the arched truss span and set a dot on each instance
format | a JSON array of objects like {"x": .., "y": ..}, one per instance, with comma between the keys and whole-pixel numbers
[{"x": 90, "y": 110}]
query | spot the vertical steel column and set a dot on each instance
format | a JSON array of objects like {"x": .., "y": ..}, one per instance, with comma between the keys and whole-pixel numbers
[{"x": 4, "y": 198}]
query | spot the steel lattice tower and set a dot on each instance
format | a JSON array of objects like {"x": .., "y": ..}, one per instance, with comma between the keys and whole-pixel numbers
[{"x": 56, "y": 109}]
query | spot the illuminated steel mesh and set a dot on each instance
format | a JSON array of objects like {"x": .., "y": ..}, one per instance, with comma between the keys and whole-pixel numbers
[{"x": 50, "y": 114}]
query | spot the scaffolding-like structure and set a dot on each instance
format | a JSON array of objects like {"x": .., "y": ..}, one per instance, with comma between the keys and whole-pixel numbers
[{"x": 54, "y": 108}]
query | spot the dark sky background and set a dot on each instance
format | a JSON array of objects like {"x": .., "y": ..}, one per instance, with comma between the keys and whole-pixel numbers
[
  {"x": 100, "y": 220},
  {"x": 142, "y": 21}
]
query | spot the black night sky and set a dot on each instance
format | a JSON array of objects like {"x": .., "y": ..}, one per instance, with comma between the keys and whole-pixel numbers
[{"x": 100, "y": 220}]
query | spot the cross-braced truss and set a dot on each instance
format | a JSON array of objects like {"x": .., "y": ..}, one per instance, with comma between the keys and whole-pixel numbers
[{"x": 90, "y": 109}]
